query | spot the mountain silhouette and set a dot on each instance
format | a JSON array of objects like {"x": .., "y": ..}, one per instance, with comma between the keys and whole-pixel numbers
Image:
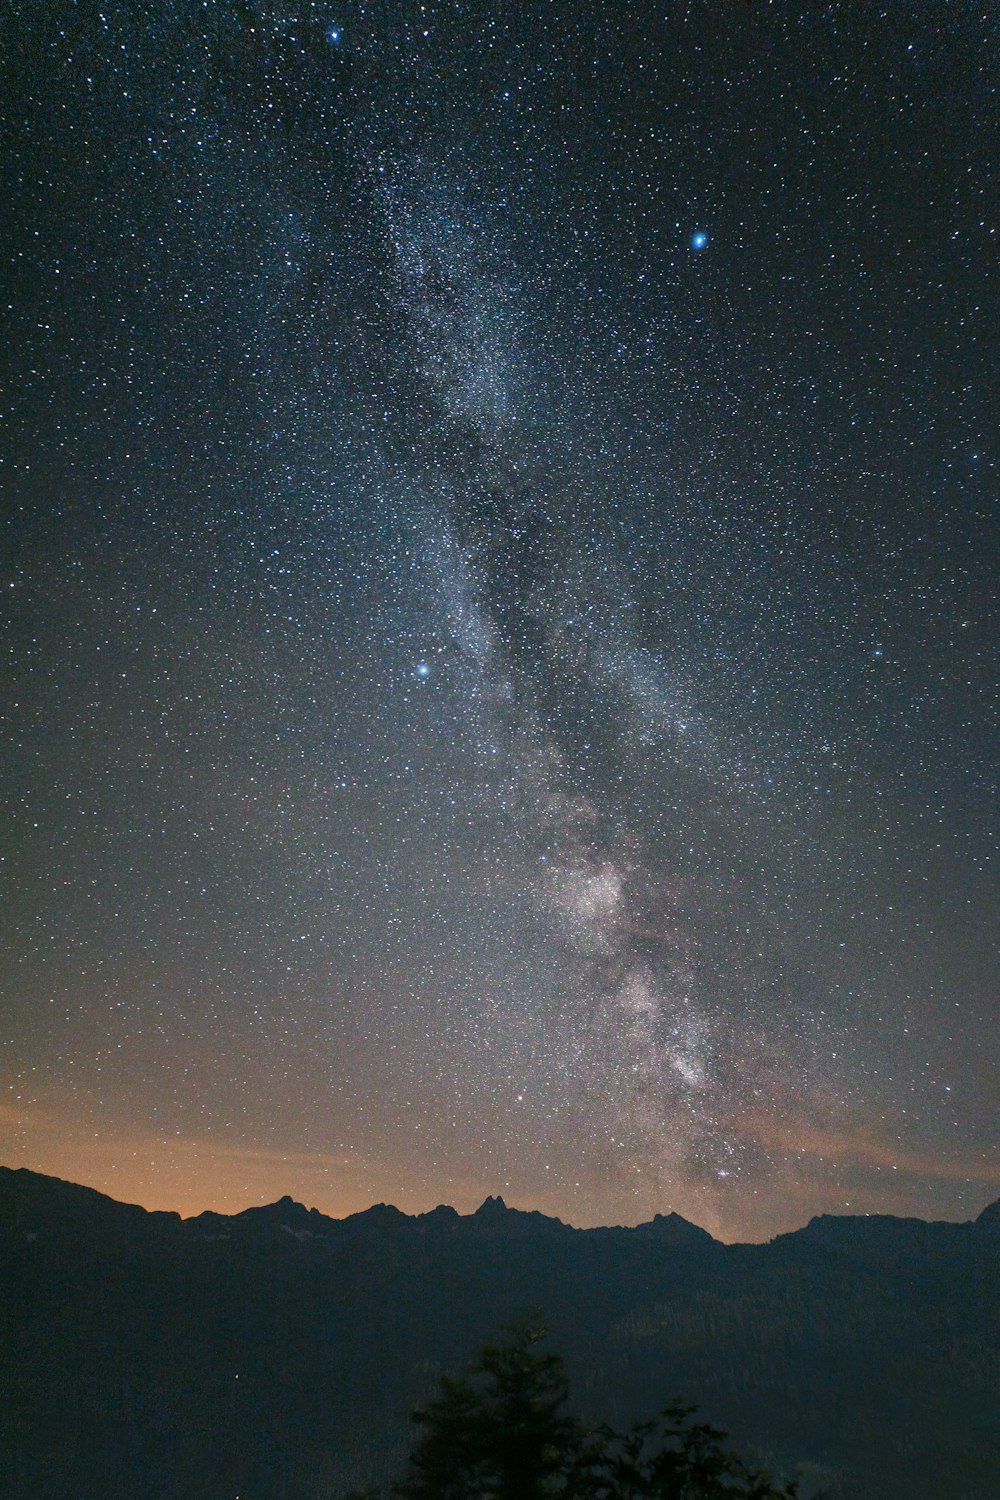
[{"x": 274, "y": 1354}]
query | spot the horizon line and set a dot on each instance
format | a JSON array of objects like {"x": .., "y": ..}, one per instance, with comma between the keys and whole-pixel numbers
[{"x": 491, "y": 1201}]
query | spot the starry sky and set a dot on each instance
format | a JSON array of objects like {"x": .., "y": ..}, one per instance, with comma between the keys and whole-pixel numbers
[{"x": 498, "y": 584}]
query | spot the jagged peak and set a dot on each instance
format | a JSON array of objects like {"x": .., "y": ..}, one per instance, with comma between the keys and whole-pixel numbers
[
  {"x": 491, "y": 1205},
  {"x": 379, "y": 1213},
  {"x": 673, "y": 1226},
  {"x": 282, "y": 1207}
]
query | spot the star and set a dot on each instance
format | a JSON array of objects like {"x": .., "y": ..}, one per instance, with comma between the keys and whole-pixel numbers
[{"x": 699, "y": 240}]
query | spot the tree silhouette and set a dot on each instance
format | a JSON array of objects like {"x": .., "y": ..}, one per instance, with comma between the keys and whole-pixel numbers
[
  {"x": 675, "y": 1458},
  {"x": 502, "y": 1432}
]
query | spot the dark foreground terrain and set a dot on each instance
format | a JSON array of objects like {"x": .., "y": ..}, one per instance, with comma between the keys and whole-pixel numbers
[{"x": 274, "y": 1354}]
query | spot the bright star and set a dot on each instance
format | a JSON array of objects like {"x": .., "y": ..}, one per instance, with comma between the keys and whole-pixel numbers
[
  {"x": 333, "y": 35},
  {"x": 423, "y": 669},
  {"x": 699, "y": 240}
]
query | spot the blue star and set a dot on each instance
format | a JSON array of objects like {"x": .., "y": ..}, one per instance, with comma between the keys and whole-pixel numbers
[
  {"x": 699, "y": 240},
  {"x": 333, "y": 35},
  {"x": 423, "y": 669}
]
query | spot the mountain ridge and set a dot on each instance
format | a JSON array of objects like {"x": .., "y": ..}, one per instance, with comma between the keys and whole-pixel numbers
[
  {"x": 493, "y": 1208},
  {"x": 274, "y": 1353}
]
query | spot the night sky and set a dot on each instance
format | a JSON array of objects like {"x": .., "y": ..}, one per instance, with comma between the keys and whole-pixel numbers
[{"x": 499, "y": 567}]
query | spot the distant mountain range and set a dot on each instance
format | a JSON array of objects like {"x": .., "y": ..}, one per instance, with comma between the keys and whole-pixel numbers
[{"x": 274, "y": 1354}]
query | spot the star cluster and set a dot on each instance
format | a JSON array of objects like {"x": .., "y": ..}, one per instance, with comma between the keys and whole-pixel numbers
[{"x": 498, "y": 586}]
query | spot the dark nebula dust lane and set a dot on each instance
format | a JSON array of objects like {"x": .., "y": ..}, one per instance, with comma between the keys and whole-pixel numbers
[{"x": 498, "y": 562}]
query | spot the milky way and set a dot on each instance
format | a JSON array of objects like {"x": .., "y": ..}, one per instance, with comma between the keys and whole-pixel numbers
[{"x": 500, "y": 527}]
